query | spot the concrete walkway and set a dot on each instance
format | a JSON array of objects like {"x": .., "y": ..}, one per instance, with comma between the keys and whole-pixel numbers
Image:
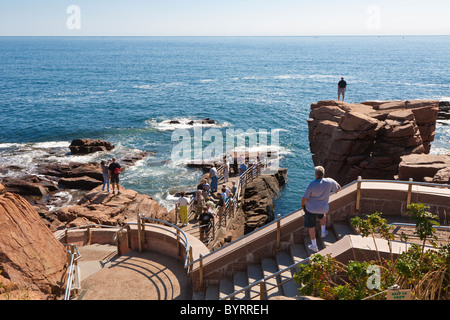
[{"x": 133, "y": 276}]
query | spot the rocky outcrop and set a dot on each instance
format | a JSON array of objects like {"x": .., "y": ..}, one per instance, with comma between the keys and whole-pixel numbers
[
  {"x": 444, "y": 110},
  {"x": 368, "y": 139},
  {"x": 104, "y": 208},
  {"x": 425, "y": 167},
  {"x": 32, "y": 261},
  {"x": 258, "y": 197},
  {"x": 86, "y": 146}
]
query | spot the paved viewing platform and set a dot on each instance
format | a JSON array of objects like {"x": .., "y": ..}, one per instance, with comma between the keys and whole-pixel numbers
[{"x": 135, "y": 275}]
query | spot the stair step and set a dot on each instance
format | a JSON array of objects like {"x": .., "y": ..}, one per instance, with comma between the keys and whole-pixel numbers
[
  {"x": 342, "y": 229},
  {"x": 198, "y": 295},
  {"x": 269, "y": 267},
  {"x": 240, "y": 281},
  {"x": 308, "y": 242},
  {"x": 284, "y": 260},
  {"x": 212, "y": 292},
  {"x": 329, "y": 239},
  {"x": 254, "y": 273},
  {"x": 226, "y": 287},
  {"x": 298, "y": 252}
]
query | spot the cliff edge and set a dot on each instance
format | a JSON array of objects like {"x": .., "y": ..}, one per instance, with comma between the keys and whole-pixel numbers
[{"x": 32, "y": 261}]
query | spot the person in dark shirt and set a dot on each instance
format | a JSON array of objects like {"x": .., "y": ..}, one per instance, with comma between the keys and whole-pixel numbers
[
  {"x": 114, "y": 171},
  {"x": 342, "y": 87},
  {"x": 205, "y": 220}
]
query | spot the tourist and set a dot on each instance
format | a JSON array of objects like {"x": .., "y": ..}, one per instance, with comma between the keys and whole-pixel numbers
[
  {"x": 214, "y": 178},
  {"x": 226, "y": 170},
  {"x": 315, "y": 204},
  {"x": 230, "y": 199},
  {"x": 183, "y": 204},
  {"x": 105, "y": 173},
  {"x": 342, "y": 87},
  {"x": 199, "y": 202},
  {"x": 211, "y": 204},
  {"x": 224, "y": 194},
  {"x": 204, "y": 222},
  {"x": 206, "y": 189},
  {"x": 242, "y": 169},
  {"x": 221, "y": 202},
  {"x": 114, "y": 171},
  {"x": 233, "y": 188}
]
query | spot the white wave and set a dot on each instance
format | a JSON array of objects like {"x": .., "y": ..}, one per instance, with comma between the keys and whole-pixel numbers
[
  {"x": 158, "y": 86},
  {"x": 52, "y": 144},
  {"x": 424, "y": 84},
  {"x": 182, "y": 123},
  {"x": 207, "y": 80}
]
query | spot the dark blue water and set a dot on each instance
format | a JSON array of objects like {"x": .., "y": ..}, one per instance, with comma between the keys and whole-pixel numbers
[{"x": 124, "y": 90}]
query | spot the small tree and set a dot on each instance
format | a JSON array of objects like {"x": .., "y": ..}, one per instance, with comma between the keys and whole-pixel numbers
[
  {"x": 372, "y": 225},
  {"x": 424, "y": 223}
]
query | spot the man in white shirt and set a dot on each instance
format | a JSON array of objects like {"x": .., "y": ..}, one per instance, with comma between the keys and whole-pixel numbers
[{"x": 315, "y": 204}]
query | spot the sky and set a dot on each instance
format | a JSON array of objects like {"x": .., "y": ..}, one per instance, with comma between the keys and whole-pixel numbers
[{"x": 223, "y": 17}]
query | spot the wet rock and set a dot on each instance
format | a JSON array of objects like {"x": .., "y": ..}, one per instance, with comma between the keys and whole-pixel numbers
[{"x": 86, "y": 146}]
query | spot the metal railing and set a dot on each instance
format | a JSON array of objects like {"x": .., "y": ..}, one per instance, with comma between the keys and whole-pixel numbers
[
  {"x": 73, "y": 256},
  {"x": 183, "y": 240},
  {"x": 229, "y": 209},
  {"x": 262, "y": 283}
]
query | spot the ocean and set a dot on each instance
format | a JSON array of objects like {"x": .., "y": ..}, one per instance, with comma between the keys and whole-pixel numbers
[{"x": 129, "y": 90}]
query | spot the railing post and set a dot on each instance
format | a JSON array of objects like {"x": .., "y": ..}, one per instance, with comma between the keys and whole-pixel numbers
[
  {"x": 261, "y": 290},
  {"x": 129, "y": 236},
  {"x": 178, "y": 242},
  {"x": 88, "y": 230},
  {"x": 201, "y": 271},
  {"x": 408, "y": 199},
  {"x": 119, "y": 237},
  {"x": 278, "y": 231},
  {"x": 139, "y": 232},
  {"x": 358, "y": 193}
]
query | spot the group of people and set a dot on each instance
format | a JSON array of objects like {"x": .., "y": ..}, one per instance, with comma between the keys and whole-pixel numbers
[
  {"x": 111, "y": 171},
  {"x": 208, "y": 199}
]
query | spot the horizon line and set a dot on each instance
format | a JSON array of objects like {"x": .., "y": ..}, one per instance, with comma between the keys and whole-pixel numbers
[{"x": 243, "y": 36}]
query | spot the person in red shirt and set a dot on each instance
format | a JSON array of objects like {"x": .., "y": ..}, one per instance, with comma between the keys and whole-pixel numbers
[{"x": 114, "y": 171}]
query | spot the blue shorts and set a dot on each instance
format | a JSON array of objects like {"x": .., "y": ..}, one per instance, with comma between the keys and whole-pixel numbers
[{"x": 311, "y": 219}]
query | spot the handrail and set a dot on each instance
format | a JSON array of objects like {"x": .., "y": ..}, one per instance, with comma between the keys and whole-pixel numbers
[
  {"x": 342, "y": 189},
  {"x": 186, "y": 241},
  {"x": 264, "y": 280},
  {"x": 71, "y": 270}
]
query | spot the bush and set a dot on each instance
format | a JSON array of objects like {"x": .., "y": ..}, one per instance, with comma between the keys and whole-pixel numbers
[{"x": 426, "y": 273}]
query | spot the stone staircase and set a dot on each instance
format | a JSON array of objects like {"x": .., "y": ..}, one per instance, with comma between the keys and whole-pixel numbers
[{"x": 269, "y": 266}]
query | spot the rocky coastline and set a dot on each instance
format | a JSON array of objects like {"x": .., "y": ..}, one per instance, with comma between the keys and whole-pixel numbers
[{"x": 43, "y": 189}]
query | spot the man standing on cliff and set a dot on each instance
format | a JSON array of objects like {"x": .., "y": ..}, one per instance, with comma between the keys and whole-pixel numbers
[
  {"x": 315, "y": 204},
  {"x": 342, "y": 87}
]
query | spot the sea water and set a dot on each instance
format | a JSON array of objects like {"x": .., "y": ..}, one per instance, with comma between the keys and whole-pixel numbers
[{"x": 127, "y": 90}]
